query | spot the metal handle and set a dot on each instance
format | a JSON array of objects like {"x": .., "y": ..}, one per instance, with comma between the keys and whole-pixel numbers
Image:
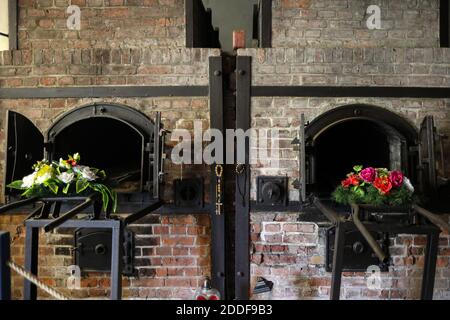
[
  {"x": 17, "y": 204},
  {"x": 59, "y": 221},
  {"x": 434, "y": 218},
  {"x": 329, "y": 213},
  {"x": 367, "y": 235}
]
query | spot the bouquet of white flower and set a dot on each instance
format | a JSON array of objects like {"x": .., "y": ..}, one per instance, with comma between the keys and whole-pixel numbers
[{"x": 65, "y": 177}]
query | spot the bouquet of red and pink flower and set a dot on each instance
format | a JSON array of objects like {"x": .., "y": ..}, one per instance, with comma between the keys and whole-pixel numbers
[{"x": 375, "y": 186}]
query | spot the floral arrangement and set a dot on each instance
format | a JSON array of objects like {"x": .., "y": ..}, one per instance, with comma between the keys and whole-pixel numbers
[
  {"x": 66, "y": 177},
  {"x": 375, "y": 186}
]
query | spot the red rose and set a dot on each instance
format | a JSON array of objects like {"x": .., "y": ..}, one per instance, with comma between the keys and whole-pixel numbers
[
  {"x": 346, "y": 183},
  {"x": 396, "y": 178},
  {"x": 352, "y": 180},
  {"x": 383, "y": 184}
]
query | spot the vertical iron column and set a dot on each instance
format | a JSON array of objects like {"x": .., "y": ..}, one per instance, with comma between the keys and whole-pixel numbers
[
  {"x": 116, "y": 262},
  {"x": 217, "y": 221},
  {"x": 429, "y": 270},
  {"x": 5, "y": 273},
  {"x": 338, "y": 261},
  {"x": 242, "y": 197},
  {"x": 265, "y": 24},
  {"x": 31, "y": 261}
]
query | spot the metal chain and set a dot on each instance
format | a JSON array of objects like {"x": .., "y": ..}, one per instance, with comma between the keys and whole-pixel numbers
[
  {"x": 33, "y": 279},
  {"x": 219, "y": 204}
]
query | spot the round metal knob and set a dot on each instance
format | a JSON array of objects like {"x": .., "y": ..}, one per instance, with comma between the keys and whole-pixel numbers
[
  {"x": 358, "y": 247},
  {"x": 217, "y": 73},
  {"x": 100, "y": 249}
]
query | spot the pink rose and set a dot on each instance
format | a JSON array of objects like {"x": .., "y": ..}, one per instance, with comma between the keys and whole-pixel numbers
[
  {"x": 396, "y": 178},
  {"x": 368, "y": 174}
]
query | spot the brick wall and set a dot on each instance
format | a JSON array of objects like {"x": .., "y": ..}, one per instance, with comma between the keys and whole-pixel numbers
[
  {"x": 347, "y": 67},
  {"x": 172, "y": 256},
  {"x": 291, "y": 253},
  {"x": 84, "y": 67},
  {"x": 104, "y": 24},
  {"x": 342, "y": 23},
  {"x": 172, "y": 253}
]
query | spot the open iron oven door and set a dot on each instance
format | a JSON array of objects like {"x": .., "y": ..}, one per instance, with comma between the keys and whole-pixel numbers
[
  {"x": 433, "y": 185},
  {"x": 25, "y": 146}
]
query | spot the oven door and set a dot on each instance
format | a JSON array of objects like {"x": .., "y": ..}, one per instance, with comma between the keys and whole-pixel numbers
[
  {"x": 433, "y": 183},
  {"x": 25, "y": 146}
]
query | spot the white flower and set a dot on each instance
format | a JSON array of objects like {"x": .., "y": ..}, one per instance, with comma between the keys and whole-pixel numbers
[
  {"x": 28, "y": 181},
  {"x": 78, "y": 169},
  {"x": 64, "y": 164},
  {"x": 407, "y": 183},
  {"x": 88, "y": 174},
  {"x": 66, "y": 177},
  {"x": 43, "y": 177}
]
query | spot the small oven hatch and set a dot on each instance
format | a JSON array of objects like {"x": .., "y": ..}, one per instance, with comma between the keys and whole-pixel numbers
[
  {"x": 358, "y": 255},
  {"x": 93, "y": 250}
]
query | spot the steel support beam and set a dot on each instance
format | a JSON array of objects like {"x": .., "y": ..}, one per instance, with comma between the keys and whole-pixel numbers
[
  {"x": 218, "y": 245},
  {"x": 5, "y": 273},
  {"x": 242, "y": 197},
  {"x": 104, "y": 92},
  {"x": 350, "y": 92}
]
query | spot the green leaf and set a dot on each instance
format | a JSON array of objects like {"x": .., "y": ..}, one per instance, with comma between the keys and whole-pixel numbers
[
  {"x": 16, "y": 185},
  {"x": 357, "y": 169},
  {"x": 66, "y": 188},
  {"x": 52, "y": 186},
  {"x": 81, "y": 185}
]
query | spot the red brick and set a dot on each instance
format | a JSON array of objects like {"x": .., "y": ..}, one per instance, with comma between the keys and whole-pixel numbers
[
  {"x": 163, "y": 251},
  {"x": 148, "y": 283},
  {"x": 161, "y": 272},
  {"x": 178, "y": 230},
  {"x": 89, "y": 282},
  {"x": 177, "y": 241},
  {"x": 273, "y": 238},
  {"x": 177, "y": 282},
  {"x": 161, "y": 230},
  {"x": 273, "y": 227},
  {"x": 47, "y": 81},
  {"x": 420, "y": 240}
]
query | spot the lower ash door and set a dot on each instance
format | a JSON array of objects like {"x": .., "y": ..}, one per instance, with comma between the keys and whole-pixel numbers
[
  {"x": 358, "y": 255},
  {"x": 93, "y": 250}
]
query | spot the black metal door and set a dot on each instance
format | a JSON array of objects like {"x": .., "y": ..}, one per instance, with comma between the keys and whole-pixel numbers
[
  {"x": 25, "y": 146},
  {"x": 427, "y": 156},
  {"x": 306, "y": 181}
]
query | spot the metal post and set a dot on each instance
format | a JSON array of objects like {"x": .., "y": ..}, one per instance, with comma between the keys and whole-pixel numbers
[
  {"x": 116, "y": 263},
  {"x": 242, "y": 196},
  {"x": 429, "y": 270},
  {"x": 218, "y": 245},
  {"x": 338, "y": 261},
  {"x": 5, "y": 273},
  {"x": 31, "y": 261}
]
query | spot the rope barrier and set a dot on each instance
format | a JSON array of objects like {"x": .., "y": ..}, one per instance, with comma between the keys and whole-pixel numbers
[{"x": 33, "y": 279}]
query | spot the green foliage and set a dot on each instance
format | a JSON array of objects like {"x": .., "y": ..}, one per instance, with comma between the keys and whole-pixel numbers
[
  {"x": 66, "y": 178},
  {"x": 370, "y": 195}
]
